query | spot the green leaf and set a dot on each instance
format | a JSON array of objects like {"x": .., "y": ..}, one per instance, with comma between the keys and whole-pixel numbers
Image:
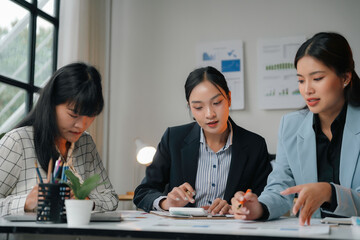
[
  {"x": 85, "y": 190},
  {"x": 81, "y": 191},
  {"x": 74, "y": 182}
]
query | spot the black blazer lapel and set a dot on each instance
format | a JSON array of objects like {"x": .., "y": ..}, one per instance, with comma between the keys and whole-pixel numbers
[
  {"x": 238, "y": 161},
  {"x": 190, "y": 155}
]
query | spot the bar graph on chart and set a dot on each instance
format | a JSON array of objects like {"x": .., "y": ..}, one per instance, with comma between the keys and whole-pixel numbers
[
  {"x": 278, "y": 85},
  {"x": 280, "y": 66},
  {"x": 227, "y": 57}
]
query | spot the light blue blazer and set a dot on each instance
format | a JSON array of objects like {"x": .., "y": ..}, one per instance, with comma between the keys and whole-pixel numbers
[{"x": 296, "y": 164}]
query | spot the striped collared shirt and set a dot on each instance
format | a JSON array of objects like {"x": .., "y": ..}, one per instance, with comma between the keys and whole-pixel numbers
[{"x": 212, "y": 172}]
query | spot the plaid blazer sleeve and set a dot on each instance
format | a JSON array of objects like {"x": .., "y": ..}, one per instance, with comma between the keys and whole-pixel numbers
[
  {"x": 11, "y": 155},
  {"x": 104, "y": 196}
]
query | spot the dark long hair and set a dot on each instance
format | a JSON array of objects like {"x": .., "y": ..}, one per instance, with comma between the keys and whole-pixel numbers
[
  {"x": 76, "y": 83},
  {"x": 206, "y": 73},
  {"x": 334, "y": 51}
]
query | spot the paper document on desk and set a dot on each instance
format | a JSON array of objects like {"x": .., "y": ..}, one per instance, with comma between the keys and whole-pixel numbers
[
  {"x": 289, "y": 230},
  {"x": 283, "y": 227},
  {"x": 287, "y": 227},
  {"x": 182, "y": 216}
]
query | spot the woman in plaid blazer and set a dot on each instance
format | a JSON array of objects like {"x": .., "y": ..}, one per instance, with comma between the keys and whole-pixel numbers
[{"x": 55, "y": 129}]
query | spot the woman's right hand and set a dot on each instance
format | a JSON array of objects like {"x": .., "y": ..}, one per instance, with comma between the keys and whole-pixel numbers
[
  {"x": 250, "y": 210},
  {"x": 31, "y": 201},
  {"x": 178, "y": 197}
]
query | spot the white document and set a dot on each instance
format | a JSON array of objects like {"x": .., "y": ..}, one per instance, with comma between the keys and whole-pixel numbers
[{"x": 282, "y": 227}]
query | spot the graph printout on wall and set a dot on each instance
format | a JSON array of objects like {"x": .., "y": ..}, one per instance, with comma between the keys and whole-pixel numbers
[
  {"x": 277, "y": 82},
  {"x": 227, "y": 57}
]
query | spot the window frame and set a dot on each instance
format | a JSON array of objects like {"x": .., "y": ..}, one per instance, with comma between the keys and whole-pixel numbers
[{"x": 29, "y": 87}]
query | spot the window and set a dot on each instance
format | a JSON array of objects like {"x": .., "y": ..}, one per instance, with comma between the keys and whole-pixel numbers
[{"x": 28, "y": 53}]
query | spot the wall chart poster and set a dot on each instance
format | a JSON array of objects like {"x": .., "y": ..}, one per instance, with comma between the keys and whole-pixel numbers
[
  {"x": 227, "y": 57},
  {"x": 277, "y": 82}
]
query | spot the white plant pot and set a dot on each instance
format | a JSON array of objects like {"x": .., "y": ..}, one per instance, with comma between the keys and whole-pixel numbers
[{"x": 78, "y": 212}]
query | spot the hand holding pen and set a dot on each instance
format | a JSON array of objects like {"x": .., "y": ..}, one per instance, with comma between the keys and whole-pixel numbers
[
  {"x": 241, "y": 202},
  {"x": 179, "y": 197},
  {"x": 246, "y": 206}
]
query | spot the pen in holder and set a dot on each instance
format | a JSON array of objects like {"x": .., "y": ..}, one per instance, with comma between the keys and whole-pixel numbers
[{"x": 51, "y": 198}]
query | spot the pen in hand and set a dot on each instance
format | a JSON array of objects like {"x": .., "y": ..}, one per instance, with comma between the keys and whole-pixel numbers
[
  {"x": 241, "y": 203},
  {"x": 191, "y": 196}
]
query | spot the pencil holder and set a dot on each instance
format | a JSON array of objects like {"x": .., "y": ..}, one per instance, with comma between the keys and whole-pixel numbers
[{"x": 51, "y": 198}]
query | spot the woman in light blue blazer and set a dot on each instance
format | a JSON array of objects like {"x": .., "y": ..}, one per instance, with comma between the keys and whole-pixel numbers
[{"x": 318, "y": 155}]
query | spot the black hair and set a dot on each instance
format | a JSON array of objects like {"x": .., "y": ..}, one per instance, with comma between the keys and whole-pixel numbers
[
  {"x": 76, "y": 83},
  {"x": 334, "y": 51},
  {"x": 206, "y": 73}
]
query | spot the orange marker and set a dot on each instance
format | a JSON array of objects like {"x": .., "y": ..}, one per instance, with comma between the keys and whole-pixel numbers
[{"x": 241, "y": 203}]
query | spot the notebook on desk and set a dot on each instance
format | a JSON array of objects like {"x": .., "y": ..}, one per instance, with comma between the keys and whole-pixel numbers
[{"x": 95, "y": 217}]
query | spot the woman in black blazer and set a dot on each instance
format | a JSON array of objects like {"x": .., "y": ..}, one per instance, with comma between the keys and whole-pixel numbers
[{"x": 202, "y": 164}]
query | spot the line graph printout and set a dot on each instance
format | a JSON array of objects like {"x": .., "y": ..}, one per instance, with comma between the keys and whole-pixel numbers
[
  {"x": 277, "y": 83},
  {"x": 227, "y": 57}
]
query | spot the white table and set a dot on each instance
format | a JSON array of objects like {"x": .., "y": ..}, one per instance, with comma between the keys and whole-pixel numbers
[{"x": 140, "y": 225}]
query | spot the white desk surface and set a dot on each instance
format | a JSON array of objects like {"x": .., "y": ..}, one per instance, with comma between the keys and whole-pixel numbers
[{"x": 142, "y": 225}]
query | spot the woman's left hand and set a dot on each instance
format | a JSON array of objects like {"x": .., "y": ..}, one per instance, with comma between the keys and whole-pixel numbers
[
  {"x": 31, "y": 201},
  {"x": 219, "y": 206},
  {"x": 310, "y": 197}
]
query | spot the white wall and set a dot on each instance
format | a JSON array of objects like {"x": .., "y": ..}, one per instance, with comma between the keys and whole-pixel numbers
[
  {"x": 153, "y": 50},
  {"x": 84, "y": 36}
]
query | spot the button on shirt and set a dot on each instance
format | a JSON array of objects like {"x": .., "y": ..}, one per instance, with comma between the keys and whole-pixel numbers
[{"x": 212, "y": 172}]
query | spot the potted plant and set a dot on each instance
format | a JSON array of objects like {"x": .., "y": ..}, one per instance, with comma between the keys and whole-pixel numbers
[{"x": 78, "y": 210}]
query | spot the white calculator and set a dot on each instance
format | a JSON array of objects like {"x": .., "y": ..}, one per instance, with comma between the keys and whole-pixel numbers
[{"x": 188, "y": 211}]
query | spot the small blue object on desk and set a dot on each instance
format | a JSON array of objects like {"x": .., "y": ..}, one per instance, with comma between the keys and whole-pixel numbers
[{"x": 355, "y": 221}]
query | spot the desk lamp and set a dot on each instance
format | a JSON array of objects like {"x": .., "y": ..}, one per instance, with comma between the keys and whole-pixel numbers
[
  {"x": 144, "y": 156},
  {"x": 144, "y": 153}
]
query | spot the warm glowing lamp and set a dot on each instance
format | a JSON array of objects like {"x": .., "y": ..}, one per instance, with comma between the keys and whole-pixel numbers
[{"x": 144, "y": 153}]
